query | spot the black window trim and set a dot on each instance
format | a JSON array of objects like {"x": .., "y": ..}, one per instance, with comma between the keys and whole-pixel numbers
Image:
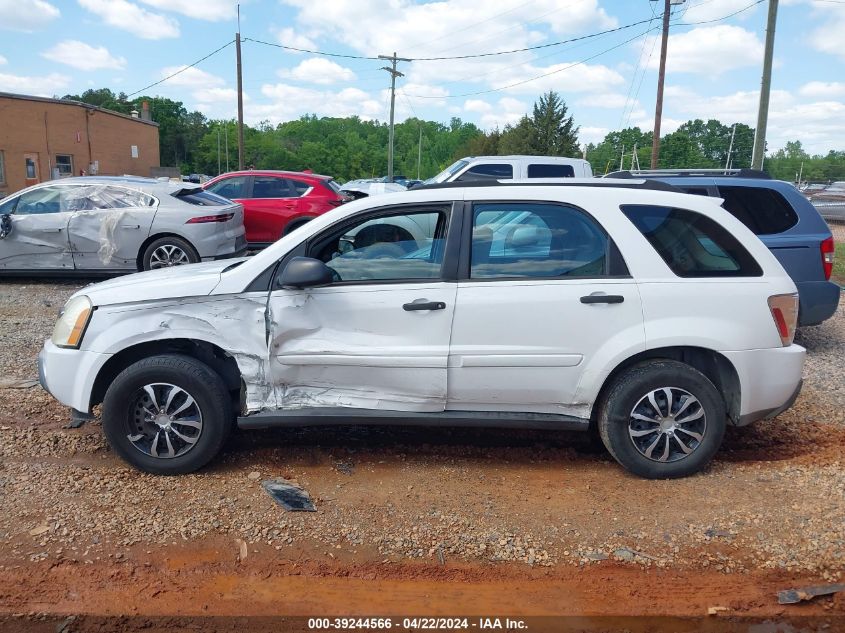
[
  {"x": 615, "y": 259},
  {"x": 448, "y": 269}
]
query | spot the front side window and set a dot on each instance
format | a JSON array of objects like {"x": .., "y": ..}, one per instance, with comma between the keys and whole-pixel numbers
[
  {"x": 64, "y": 165},
  {"x": 535, "y": 240},
  {"x": 269, "y": 187},
  {"x": 492, "y": 171},
  {"x": 406, "y": 246},
  {"x": 691, "y": 244},
  {"x": 550, "y": 170},
  {"x": 47, "y": 200},
  {"x": 232, "y": 188}
]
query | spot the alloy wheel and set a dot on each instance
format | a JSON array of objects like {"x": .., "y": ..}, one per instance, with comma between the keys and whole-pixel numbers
[
  {"x": 164, "y": 421},
  {"x": 667, "y": 424}
]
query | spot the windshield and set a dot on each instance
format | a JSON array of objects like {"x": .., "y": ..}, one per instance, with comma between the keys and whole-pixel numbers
[{"x": 444, "y": 175}]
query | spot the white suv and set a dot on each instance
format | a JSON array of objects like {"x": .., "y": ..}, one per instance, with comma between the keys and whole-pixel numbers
[
  {"x": 653, "y": 316},
  {"x": 514, "y": 167}
]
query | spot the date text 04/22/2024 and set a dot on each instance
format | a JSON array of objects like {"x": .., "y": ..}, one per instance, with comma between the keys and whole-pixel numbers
[{"x": 418, "y": 624}]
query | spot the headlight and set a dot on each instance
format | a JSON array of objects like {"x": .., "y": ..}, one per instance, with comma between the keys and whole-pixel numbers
[{"x": 72, "y": 322}]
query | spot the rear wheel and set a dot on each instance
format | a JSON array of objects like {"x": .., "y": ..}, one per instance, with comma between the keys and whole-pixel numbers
[
  {"x": 167, "y": 414},
  {"x": 168, "y": 251},
  {"x": 662, "y": 419}
]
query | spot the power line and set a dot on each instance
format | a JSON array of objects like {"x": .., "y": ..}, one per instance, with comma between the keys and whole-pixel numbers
[
  {"x": 199, "y": 61},
  {"x": 472, "y": 56},
  {"x": 636, "y": 71}
]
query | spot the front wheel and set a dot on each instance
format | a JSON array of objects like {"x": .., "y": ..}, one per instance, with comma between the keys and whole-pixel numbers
[
  {"x": 168, "y": 251},
  {"x": 662, "y": 419},
  {"x": 167, "y": 414}
]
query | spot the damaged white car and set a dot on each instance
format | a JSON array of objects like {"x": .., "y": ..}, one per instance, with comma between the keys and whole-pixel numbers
[
  {"x": 107, "y": 225},
  {"x": 652, "y": 316}
]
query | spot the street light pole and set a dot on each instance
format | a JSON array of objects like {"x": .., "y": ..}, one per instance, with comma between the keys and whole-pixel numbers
[
  {"x": 393, "y": 75},
  {"x": 765, "y": 88}
]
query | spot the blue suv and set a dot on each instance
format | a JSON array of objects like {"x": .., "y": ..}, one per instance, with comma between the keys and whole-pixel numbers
[{"x": 784, "y": 220}]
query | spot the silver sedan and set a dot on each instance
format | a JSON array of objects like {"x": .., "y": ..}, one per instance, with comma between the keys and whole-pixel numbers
[{"x": 115, "y": 224}]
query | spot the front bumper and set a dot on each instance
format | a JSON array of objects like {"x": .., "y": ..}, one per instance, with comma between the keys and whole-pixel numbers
[
  {"x": 68, "y": 374},
  {"x": 770, "y": 380}
]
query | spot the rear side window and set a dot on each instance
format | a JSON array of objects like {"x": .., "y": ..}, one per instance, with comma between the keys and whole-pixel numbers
[
  {"x": 513, "y": 240},
  {"x": 550, "y": 171},
  {"x": 696, "y": 191},
  {"x": 691, "y": 244},
  {"x": 270, "y": 187},
  {"x": 764, "y": 211},
  {"x": 201, "y": 198},
  {"x": 492, "y": 171},
  {"x": 299, "y": 186}
]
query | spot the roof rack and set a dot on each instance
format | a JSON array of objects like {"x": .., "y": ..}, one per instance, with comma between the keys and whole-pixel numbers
[
  {"x": 646, "y": 173},
  {"x": 632, "y": 183}
]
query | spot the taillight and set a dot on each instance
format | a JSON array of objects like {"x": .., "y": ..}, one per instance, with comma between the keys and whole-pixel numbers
[
  {"x": 205, "y": 219},
  {"x": 784, "y": 309},
  {"x": 828, "y": 255}
]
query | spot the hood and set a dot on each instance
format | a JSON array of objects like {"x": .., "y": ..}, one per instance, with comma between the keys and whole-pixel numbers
[{"x": 165, "y": 283}]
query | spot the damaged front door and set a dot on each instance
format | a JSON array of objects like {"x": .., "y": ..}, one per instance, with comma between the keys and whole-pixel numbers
[
  {"x": 36, "y": 231},
  {"x": 109, "y": 226},
  {"x": 378, "y": 336}
]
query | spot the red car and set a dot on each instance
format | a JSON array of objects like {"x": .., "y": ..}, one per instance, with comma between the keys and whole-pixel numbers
[{"x": 277, "y": 202}]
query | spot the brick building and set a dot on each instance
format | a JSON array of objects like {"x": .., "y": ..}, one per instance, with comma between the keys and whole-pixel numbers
[{"x": 43, "y": 139}]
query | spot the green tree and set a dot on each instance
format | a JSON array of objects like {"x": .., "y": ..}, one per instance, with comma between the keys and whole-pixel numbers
[{"x": 553, "y": 133}]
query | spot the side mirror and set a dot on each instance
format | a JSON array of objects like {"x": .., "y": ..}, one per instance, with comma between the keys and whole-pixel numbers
[
  {"x": 5, "y": 225},
  {"x": 305, "y": 272}
]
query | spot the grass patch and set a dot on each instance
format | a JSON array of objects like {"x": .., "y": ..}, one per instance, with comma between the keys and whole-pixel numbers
[{"x": 839, "y": 264}]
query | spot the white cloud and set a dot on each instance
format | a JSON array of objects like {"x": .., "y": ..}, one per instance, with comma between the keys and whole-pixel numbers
[
  {"x": 130, "y": 17},
  {"x": 318, "y": 70},
  {"x": 702, "y": 10},
  {"x": 45, "y": 86},
  {"x": 564, "y": 78},
  {"x": 191, "y": 77},
  {"x": 210, "y": 10},
  {"x": 506, "y": 110},
  {"x": 3, "y": 60},
  {"x": 592, "y": 134},
  {"x": 83, "y": 56},
  {"x": 289, "y": 102},
  {"x": 711, "y": 50},
  {"x": 292, "y": 37},
  {"x": 823, "y": 89},
  {"x": 219, "y": 95},
  {"x": 26, "y": 15},
  {"x": 828, "y": 37},
  {"x": 614, "y": 101}
]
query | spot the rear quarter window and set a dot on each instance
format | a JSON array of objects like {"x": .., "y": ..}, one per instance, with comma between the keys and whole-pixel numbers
[
  {"x": 764, "y": 211},
  {"x": 550, "y": 170},
  {"x": 201, "y": 198},
  {"x": 691, "y": 244}
]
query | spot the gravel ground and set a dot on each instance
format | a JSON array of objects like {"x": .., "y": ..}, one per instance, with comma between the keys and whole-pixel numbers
[{"x": 774, "y": 498}]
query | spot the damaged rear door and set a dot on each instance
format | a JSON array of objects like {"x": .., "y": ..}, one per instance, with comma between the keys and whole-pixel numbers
[
  {"x": 35, "y": 231},
  {"x": 109, "y": 225},
  {"x": 378, "y": 337}
]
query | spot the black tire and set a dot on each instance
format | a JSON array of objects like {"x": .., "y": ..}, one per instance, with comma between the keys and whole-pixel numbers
[
  {"x": 165, "y": 243},
  {"x": 121, "y": 408},
  {"x": 631, "y": 388}
]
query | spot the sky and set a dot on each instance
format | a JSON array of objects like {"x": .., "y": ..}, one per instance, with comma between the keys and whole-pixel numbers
[{"x": 58, "y": 47}]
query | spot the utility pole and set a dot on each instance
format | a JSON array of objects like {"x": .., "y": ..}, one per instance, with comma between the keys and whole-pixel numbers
[
  {"x": 661, "y": 76},
  {"x": 240, "y": 94},
  {"x": 730, "y": 149},
  {"x": 393, "y": 75},
  {"x": 419, "y": 153},
  {"x": 226, "y": 139},
  {"x": 765, "y": 88},
  {"x": 218, "y": 150}
]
